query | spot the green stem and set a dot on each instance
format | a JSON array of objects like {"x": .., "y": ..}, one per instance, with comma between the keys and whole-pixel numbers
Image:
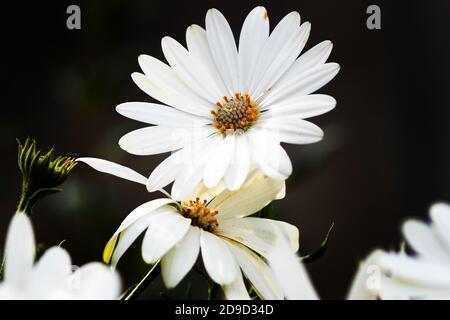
[
  {"x": 212, "y": 292},
  {"x": 144, "y": 283},
  {"x": 2, "y": 268}
]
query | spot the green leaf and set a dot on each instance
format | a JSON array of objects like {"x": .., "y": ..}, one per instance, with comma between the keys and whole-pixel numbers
[{"x": 322, "y": 249}]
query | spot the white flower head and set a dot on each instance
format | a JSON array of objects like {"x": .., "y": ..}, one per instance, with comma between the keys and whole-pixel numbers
[
  {"x": 53, "y": 276},
  {"x": 214, "y": 222},
  {"x": 425, "y": 275},
  {"x": 227, "y": 107}
]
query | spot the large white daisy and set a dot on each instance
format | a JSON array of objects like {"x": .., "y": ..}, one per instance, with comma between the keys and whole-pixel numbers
[
  {"x": 425, "y": 275},
  {"x": 53, "y": 276},
  {"x": 227, "y": 107},
  {"x": 214, "y": 222}
]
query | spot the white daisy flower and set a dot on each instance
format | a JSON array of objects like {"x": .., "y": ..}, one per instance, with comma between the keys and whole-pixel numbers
[
  {"x": 53, "y": 276},
  {"x": 214, "y": 222},
  {"x": 398, "y": 276},
  {"x": 228, "y": 107}
]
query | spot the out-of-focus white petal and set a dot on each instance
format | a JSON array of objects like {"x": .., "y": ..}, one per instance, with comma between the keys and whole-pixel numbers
[
  {"x": 95, "y": 281},
  {"x": 423, "y": 240},
  {"x": 366, "y": 283},
  {"x": 440, "y": 214},
  {"x": 51, "y": 272},
  {"x": 19, "y": 251}
]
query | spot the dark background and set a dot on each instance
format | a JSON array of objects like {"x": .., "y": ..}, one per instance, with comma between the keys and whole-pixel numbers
[{"x": 384, "y": 157}]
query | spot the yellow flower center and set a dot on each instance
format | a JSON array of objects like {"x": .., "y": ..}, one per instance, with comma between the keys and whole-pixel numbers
[
  {"x": 199, "y": 214},
  {"x": 237, "y": 113}
]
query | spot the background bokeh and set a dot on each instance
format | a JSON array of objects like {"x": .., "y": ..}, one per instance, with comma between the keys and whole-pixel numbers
[{"x": 384, "y": 157}]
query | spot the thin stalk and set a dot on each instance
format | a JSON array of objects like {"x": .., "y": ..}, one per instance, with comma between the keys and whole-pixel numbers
[{"x": 144, "y": 283}]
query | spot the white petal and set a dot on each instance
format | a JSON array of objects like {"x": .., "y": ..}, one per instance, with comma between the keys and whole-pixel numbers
[
  {"x": 166, "y": 171},
  {"x": 172, "y": 96},
  {"x": 219, "y": 160},
  {"x": 365, "y": 284},
  {"x": 290, "y": 272},
  {"x": 423, "y": 240},
  {"x": 299, "y": 107},
  {"x": 304, "y": 83},
  {"x": 294, "y": 131},
  {"x": 257, "y": 271},
  {"x": 159, "y": 114},
  {"x": 135, "y": 215},
  {"x": 440, "y": 214},
  {"x": 239, "y": 165},
  {"x": 420, "y": 272},
  {"x": 258, "y": 234},
  {"x": 19, "y": 250},
  {"x": 236, "y": 290},
  {"x": 292, "y": 43},
  {"x": 190, "y": 70},
  {"x": 51, "y": 272},
  {"x": 188, "y": 179},
  {"x": 217, "y": 258},
  {"x": 127, "y": 237},
  {"x": 181, "y": 258},
  {"x": 198, "y": 46},
  {"x": 254, "y": 34},
  {"x": 114, "y": 169},
  {"x": 223, "y": 49},
  {"x": 164, "y": 231},
  {"x": 315, "y": 56},
  {"x": 397, "y": 290},
  {"x": 247, "y": 200},
  {"x": 162, "y": 83},
  {"x": 268, "y": 155},
  {"x": 95, "y": 281},
  {"x": 154, "y": 140}
]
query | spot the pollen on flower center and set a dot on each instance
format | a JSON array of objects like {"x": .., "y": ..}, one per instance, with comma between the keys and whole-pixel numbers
[
  {"x": 237, "y": 113},
  {"x": 199, "y": 214}
]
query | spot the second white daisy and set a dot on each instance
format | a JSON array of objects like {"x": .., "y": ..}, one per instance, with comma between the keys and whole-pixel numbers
[{"x": 214, "y": 222}]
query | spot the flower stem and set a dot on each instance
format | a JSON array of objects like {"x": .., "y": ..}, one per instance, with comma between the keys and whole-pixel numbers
[{"x": 144, "y": 283}]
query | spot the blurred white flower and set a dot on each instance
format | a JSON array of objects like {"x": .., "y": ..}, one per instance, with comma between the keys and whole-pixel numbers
[
  {"x": 213, "y": 221},
  {"x": 398, "y": 276},
  {"x": 52, "y": 277},
  {"x": 228, "y": 107}
]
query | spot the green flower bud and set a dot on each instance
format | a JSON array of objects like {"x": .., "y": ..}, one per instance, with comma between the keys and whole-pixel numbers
[{"x": 41, "y": 173}]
